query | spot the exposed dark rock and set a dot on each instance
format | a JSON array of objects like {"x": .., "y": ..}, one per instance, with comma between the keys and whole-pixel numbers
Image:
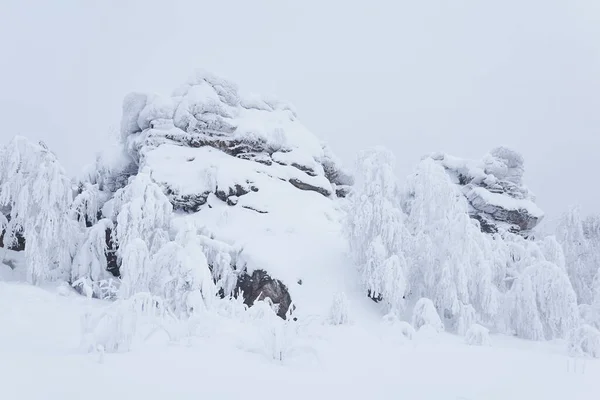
[
  {"x": 342, "y": 191},
  {"x": 188, "y": 202},
  {"x": 237, "y": 190},
  {"x": 259, "y": 286},
  {"x": 485, "y": 224},
  {"x": 305, "y": 169},
  {"x": 254, "y": 209},
  {"x": 306, "y": 186}
]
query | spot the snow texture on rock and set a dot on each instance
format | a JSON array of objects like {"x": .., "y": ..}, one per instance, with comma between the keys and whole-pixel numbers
[{"x": 495, "y": 191}]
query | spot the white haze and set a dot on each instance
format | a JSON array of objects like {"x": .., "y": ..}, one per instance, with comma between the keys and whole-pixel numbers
[{"x": 459, "y": 77}]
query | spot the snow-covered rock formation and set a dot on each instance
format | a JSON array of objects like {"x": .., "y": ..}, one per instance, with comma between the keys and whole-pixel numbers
[
  {"x": 251, "y": 186},
  {"x": 495, "y": 191},
  {"x": 215, "y": 195}
]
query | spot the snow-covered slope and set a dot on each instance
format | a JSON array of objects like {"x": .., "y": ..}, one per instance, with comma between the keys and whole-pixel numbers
[{"x": 41, "y": 358}]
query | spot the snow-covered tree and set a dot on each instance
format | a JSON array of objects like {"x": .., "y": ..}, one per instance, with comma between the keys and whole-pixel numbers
[
  {"x": 90, "y": 269},
  {"x": 450, "y": 259},
  {"x": 36, "y": 195},
  {"x": 375, "y": 228},
  {"x": 338, "y": 313},
  {"x": 140, "y": 211},
  {"x": 544, "y": 303},
  {"x": 581, "y": 251},
  {"x": 182, "y": 274}
]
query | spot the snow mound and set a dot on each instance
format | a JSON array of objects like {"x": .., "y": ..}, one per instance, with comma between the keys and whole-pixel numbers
[
  {"x": 425, "y": 315},
  {"x": 585, "y": 341},
  {"x": 495, "y": 191},
  {"x": 478, "y": 335}
]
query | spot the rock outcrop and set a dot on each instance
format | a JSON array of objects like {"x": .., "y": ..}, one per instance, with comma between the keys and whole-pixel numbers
[
  {"x": 259, "y": 286},
  {"x": 242, "y": 169},
  {"x": 495, "y": 191},
  {"x": 264, "y": 136}
]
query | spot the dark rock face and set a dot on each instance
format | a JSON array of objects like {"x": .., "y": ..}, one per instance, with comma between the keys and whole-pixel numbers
[{"x": 259, "y": 286}]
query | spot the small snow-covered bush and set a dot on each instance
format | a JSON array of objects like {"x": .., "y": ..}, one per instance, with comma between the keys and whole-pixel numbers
[
  {"x": 585, "y": 341},
  {"x": 478, "y": 335},
  {"x": 117, "y": 327},
  {"x": 425, "y": 313},
  {"x": 277, "y": 339},
  {"x": 405, "y": 329},
  {"x": 338, "y": 314}
]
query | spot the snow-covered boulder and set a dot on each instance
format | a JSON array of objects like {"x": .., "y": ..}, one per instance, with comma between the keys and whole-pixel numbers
[
  {"x": 495, "y": 191},
  {"x": 478, "y": 335},
  {"x": 425, "y": 314},
  {"x": 585, "y": 340}
]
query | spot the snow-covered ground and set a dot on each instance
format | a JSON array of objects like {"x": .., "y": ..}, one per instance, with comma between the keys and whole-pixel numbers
[{"x": 41, "y": 358}]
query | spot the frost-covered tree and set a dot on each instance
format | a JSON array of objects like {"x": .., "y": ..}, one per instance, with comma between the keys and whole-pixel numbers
[
  {"x": 140, "y": 211},
  {"x": 90, "y": 265},
  {"x": 450, "y": 259},
  {"x": 544, "y": 303},
  {"x": 36, "y": 195},
  {"x": 375, "y": 228},
  {"x": 182, "y": 273},
  {"x": 581, "y": 251},
  {"x": 338, "y": 313}
]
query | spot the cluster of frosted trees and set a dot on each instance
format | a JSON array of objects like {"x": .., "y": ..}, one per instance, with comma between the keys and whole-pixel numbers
[
  {"x": 72, "y": 230},
  {"x": 419, "y": 242}
]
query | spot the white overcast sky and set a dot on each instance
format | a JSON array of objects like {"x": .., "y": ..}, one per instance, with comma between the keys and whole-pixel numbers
[{"x": 457, "y": 76}]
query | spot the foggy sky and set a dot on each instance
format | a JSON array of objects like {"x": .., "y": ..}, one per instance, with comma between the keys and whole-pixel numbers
[{"x": 416, "y": 76}]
